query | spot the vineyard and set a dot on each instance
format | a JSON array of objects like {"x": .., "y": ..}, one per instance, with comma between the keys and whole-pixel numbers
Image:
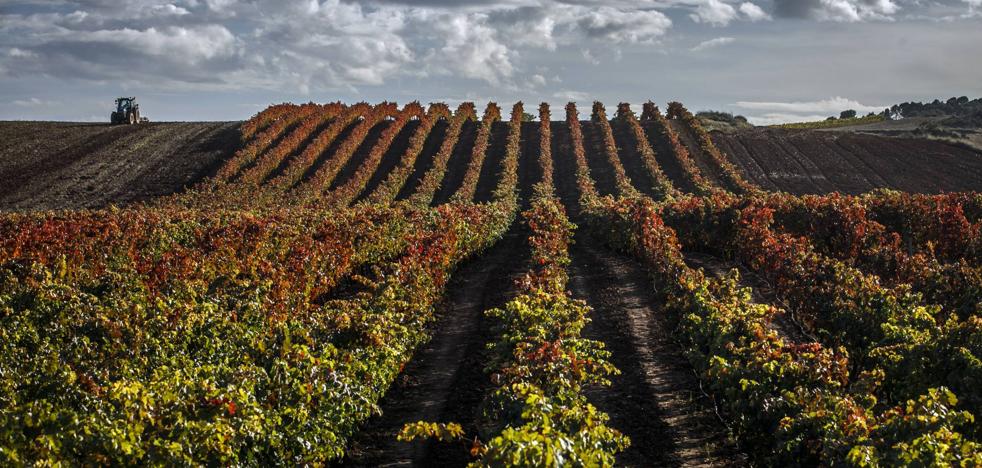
[{"x": 372, "y": 284}]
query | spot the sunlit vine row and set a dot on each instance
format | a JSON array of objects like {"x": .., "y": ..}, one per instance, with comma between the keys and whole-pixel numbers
[
  {"x": 731, "y": 175},
  {"x": 343, "y": 195},
  {"x": 599, "y": 116},
  {"x": 660, "y": 183},
  {"x": 479, "y": 152},
  {"x": 389, "y": 189}
]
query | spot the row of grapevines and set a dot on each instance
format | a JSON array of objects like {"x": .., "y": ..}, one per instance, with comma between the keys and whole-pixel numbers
[
  {"x": 599, "y": 117},
  {"x": 263, "y": 119},
  {"x": 318, "y": 183},
  {"x": 537, "y": 414},
  {"x": 344, "y": 194},
  {"x": 176, "y": 252},
  {"x": 424, "y": 192},
  {"x": 693, "y": 176},
  {"x": 892, "y": 336},
  {"x": 790, "y": 404},
  {"x": 299, "y": 165},
  {"x": 584, "y": 182},
  {"x": 507, "y": 187},
  {"x": 661, "y": 185},
  {"x": 389, "y": 189},
  {"x": 840, "y": 227},
  {"x": 256, "y": 146},
  {"x": 730, "y": 174},
  {"x": 545, "y": 149},
  {"x": 100, "y": 367},
  {"x": 272, "y": 159},
  {"x": 948, "y": 225},
  {"x": 468, "y": 187}
]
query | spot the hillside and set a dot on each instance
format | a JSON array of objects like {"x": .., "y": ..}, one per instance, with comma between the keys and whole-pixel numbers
[
  {"x": 49, "y": 165},
  {"x": 375, "y": 285},
  {"x": 52, "y": 165}
]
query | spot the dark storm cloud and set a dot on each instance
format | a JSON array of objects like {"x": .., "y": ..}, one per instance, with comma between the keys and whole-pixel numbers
[{"x": 795, "y": 8}]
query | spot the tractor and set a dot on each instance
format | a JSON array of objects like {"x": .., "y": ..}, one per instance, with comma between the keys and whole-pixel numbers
[{"x": 127, "y": 112}]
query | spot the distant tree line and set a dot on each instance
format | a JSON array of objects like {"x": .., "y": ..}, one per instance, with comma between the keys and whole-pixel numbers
[
  {"x": 722, "y": 117},
  {"x": 960, "y": 111}
]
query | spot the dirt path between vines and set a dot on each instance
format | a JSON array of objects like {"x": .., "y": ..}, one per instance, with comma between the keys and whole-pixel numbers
[
  {"x": 445, "y": 381},
  {"x": 656, "y": 401}
]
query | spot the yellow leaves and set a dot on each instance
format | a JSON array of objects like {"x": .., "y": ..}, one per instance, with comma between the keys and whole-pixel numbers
[{"x": 444, "y": 432}]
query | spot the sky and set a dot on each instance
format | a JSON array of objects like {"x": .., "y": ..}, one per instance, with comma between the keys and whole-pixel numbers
[{"x": 770, "y": 60}]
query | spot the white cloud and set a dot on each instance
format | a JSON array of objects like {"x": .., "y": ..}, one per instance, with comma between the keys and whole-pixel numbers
[
  {"x": 474, "y": 48},
  {"x": 714, "y": 12},
  {"x": 719, "y": 41},
  {"x": 570, "y": 95},
  {"x": 538, "y": 80},
  {"x": 21, "y": 53},
  {"x": 615, "y": 25},
  {"x": 170, "y": 10},
  {"x": 527, "y": 26},
  {"x": 848, "y": 11},
  {"x": 972, "y": 5},
  {"x": 34, "y": 102},
  {"x": 803, "y": 111},
  {"x": 589, "y": 57},
  {"x": 754, "y": 13},
  {"x": 192, "y": 44},
  {"x": 826, "y": 106}
]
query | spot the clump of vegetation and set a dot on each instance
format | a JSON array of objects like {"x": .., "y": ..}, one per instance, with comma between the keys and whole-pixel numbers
[
  {"x": 937, "y": 108},
  {"x": 833, "y": 122},
  {"x": 723, "y": 121}
]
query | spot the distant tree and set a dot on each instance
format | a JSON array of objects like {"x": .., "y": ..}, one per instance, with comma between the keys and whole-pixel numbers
[
  {"x": 848, "y": 114},
  {"x": 963, "y": 100},
  {"x": 831, "y": 118},
  {"x": 526, "y": 117},
  {"x": 952, "y": 101}
]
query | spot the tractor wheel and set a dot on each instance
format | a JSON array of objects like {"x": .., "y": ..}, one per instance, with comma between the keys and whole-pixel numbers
[{"x": 132, "y": 118}]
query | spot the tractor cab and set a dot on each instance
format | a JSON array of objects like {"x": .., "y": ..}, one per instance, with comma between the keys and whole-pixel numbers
[{"x": 124, "y": 104}]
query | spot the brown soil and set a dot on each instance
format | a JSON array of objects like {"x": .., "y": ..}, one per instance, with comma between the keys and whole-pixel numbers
[
  {"x": 666, "y": 158},
  {"x": 564, "y": 168},
  {"x": 803, "y": 161},
  {"x": 424, "y": 161},
  {"x": 656, "y": 401},
  {"x": 627, "y": 150},
  {"x": 491, "y": 167},
  {"x": 709, "y": 169},
  {"x": 600, "y": 168},
  {"x": 361, "y": 153},
  {"x": 392, "y": 157},
  {"x": 529, "y": 170},
  {"x": 59, "y": 165},
  {"x": 445, "y": 381},
  {"x": 329, "y": 152},
  {"x": 459, "y": 160}
]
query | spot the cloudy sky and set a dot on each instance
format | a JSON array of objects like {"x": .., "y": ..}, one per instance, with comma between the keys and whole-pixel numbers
[{"x": 772, "y": 60}]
